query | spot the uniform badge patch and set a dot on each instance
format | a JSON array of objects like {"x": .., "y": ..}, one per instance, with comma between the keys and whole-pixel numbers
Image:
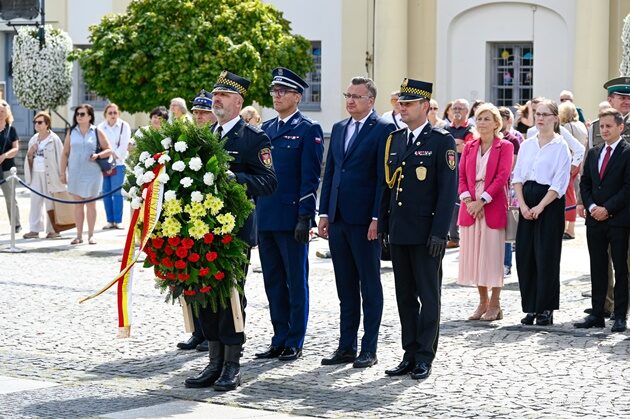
[
  {"x": 451, "y": 161},
  {"x": 265, "y": 157},
  {"x": 318, "y": 140}
]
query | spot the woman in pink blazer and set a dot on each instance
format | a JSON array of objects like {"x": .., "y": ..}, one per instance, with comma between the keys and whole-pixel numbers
[{"x": 484, "y": 170}]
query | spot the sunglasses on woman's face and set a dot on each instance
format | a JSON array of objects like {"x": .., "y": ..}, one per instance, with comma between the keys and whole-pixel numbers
[
  {"x": 81, "y": 114},
  {"x": 39, "y": 122}
]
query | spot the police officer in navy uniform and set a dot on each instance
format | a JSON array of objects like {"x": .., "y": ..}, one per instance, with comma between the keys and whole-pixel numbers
[
  {"x": 251, "y": 166},
  {"x": 416, "y": 208},
  {"x": 286, "y": 217}
]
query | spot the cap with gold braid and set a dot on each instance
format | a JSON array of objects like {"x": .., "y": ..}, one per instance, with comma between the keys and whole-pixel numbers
[
  {"x": 619, "y": 85},
  {"x": 231, "y": 83},
  {"x": 411, "y": 90}
]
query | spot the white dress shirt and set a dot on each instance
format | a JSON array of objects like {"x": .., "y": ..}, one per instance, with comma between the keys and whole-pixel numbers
[
  {"x": 576, "y": 147},
  {"x": 396, "y": 120},
  {"x": 549, "y": 165},
  {"x": 227, "y": 126},
  {"x": 118, "y": 135}
]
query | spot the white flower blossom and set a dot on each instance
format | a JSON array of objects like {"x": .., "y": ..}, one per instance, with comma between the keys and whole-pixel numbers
[
  {"x": 144, "y": 155},
  {"x": 170, "y": 195},
  {"x": 149, "y": 162},
  {"x": 181, "y": 146},
  {"x": 208, "y": 178},
  {"x": 148, "y": 177},
  {"x": 186, "y": 182},
  {"x": 133, "y": 191},
  {"x": 136, "y": 202},
  {"x": 196, "y": 196},
  {"x": 145, "y": 191},
  {"x": 195, "y": 164},
  {"x": 178, "y": 166},
  {"x": 164, "y": 158},
  {"x": 163, "y": 178},
  {"x": 166, "y": 143}
]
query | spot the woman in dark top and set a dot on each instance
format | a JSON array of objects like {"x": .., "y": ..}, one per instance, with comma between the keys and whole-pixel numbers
[
  {"x": 9, "y": 148},
  {"x": 525, "y": 118}
]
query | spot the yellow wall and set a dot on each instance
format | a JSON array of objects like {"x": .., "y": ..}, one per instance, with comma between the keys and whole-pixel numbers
[{"x": 421, "y": 45}]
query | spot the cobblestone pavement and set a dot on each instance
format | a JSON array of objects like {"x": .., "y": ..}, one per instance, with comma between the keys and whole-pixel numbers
[{"x": 482, "y": 369}]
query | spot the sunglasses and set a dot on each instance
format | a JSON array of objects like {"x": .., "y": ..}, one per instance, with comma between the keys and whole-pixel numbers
[
  {"x": 112, "y": 113},
  {"x": 81, "y": 114},
  {"x": 39, "y": 122},
  {"x": 434, "y": 108}
]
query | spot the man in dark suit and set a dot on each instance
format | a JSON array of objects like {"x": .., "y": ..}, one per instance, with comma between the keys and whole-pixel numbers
[
  {"x": 605, "y": 189},
  {"x": 348, "y": 209},
  {"x": 286, "y": 217},
  {"x": 416, "y": 209},
  {"x": 251, "y": 166}
]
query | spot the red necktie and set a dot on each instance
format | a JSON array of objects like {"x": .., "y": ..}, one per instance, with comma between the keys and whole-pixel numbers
[{"x": 605, "y": 162}]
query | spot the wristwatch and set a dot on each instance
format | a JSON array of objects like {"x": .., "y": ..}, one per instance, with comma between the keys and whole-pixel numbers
[{"x": 483, "y": 200}]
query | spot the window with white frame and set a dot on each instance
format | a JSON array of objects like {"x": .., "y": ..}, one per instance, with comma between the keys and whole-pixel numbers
[
  {"x": 511, "y": 73},
  {"x": 312, "y": 97}
]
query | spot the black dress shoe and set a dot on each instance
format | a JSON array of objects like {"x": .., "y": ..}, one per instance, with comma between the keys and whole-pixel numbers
[
  {"x": 612, "y": 316},
  {"x": 421, "y": 371},
  {"x": 528, "y": 320},
  {"x": 203, "y": 346},
  {"x": 619, "y": 326},
  {"x": 340, "y": 357},
  {"x": 590, "y": 311},
  {"x": 365, "y": 359},
  {"x": 206, "y": 378},
  {"x": 290, "y": 354},
  {"x": 271, "y": 352},
  {"x": 545, "y": 318},
  {"x": 401, "y": 369},
  {"x": 191, "y": 343},
  {"x": 230, "y": 377},
  {"x": 590, "y": 321}
]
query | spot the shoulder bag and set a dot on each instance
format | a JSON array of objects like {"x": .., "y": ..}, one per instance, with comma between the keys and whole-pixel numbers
[{"x": 107, "y": 164}]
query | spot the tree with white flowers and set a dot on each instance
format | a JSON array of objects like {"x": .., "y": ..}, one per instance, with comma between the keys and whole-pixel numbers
[
  {"x": 42, "y": 74},
  {"x": 624, "y": 67}
]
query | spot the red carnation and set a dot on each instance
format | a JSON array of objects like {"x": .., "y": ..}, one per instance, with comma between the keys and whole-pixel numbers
[
  {"x": 183, "y": 277},
  {"x": 180, "y": 264},
  {"x": 174, "y": 241},
  {"x": 190, "y": 292},
  {"x": 159, "y": 274},
  {"x": 167, "y": 262},
  {"x": 169, "y": 250},
  {"x": 219, "y": 275},
  {"x": 157, "y": 242},
  {"x": 181, "y": 252},
  {"x": 194, "y": 257},
  {"x": 204, "y": 271},
  {"x": 211, "y": 256},
  {"x": 154, "y": 260},
  {"x": 188, "y": 243},
  {"x": 208, "y": 238},
  {"x": 205, "y": 289},
  {"x": 170, "y": 275},
  {"x": 226, "y": 239}
]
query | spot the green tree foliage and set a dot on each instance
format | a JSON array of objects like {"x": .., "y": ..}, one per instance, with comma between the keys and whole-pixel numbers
[{"x": 162, "y": 49}]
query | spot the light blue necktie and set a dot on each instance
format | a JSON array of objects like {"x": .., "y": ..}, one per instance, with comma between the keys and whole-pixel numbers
[{"x": 357, "y": 126}]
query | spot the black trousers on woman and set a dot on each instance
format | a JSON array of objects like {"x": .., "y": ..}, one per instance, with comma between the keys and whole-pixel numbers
[{"x": 538, "y": 249}]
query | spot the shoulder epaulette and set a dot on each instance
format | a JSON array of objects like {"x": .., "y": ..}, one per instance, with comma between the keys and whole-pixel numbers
[{"x": 441, "y": 131}]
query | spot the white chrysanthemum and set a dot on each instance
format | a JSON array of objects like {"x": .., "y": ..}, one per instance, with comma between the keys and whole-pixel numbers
[
  {"x": 163, "y": 178},
  {"x": 133, "y": 191},
  {"x": 148, "y": 177},
  {"x": 144, "y": 155},
  {"x": 208, "y": 178},
  {"x": 181, "y": 146},
  {"x": 178, "y": 166},
  {"x": 170, "y": 195},
  {"x": 166, "y": 143},
  {"x": 196, "y": 196},
  {"x": 164, "y": 158},
  {"x": 136, "y": 202},
  {"x": 186, "y": 182},
  {"x": 149, "y": 162},
  {"x": 195, "y": 164}
]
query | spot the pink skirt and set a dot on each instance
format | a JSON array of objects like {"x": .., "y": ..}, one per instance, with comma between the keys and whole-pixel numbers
[{"x": 481, "y": 252}]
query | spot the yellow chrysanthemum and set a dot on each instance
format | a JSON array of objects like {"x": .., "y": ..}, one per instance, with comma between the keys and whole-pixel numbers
[
  {"x": 172, "y": 207},
  {"x": 171, "y": 227},
  {"x": 195, "y": 210},
  {"x": 197, "y": 229},
  {"x": 227, "y": 221},
  {"x": 213, "y": 203}
]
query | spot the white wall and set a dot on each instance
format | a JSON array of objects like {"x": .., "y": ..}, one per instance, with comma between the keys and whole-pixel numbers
[
  {"x": 319, "y": 21},
  {"x": 469, "y": 25},
  {"x": 82, "y": 14}
]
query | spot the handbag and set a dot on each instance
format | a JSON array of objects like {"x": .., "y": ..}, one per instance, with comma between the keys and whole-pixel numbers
[
  {"x": 512, "y": 223},
  {"x": 62, "y": 215},
  {"x": 107, "y": 164}
]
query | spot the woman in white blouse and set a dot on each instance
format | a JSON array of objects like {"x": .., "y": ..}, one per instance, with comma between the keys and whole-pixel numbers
[
  {"x": 540, "y": 179},
  {"x": 42, "y": 171},
  {"x": 118, "y": 133}
]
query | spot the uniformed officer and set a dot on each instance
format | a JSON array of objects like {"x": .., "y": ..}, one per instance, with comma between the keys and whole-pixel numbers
[
  {"x": 286, "y": 217},
  {"x": 251, "y": 166},
  {"x": 202, "y": 109},
  {"x": 416, "y": 209}
]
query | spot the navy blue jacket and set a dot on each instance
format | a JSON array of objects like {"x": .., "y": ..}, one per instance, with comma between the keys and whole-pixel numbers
[
  {"x": 297, "y": 149},
  {"x": 353, "y": 181}
]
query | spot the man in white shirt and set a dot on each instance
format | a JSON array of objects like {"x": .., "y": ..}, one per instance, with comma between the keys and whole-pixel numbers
[{"x": 393, "y": 116}]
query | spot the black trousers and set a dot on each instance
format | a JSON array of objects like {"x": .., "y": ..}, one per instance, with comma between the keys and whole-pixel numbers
[
  {"x": 599, "y": 237},
  {"x": 418, "y": 279},
  {"x": 538, "y": 250},
  {"x": 219, "y": 325}
]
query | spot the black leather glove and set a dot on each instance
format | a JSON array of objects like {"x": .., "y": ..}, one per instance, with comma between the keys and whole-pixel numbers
[
  {"x": 436, "y": 246},
  {"x": 302, "y": 228},
  {"x": 383, "y": 239}
]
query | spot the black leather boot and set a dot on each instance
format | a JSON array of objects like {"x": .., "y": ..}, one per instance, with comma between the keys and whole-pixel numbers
[
  {"x": 231, "y": 375},
  {"x": 212, "y": 372}
]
